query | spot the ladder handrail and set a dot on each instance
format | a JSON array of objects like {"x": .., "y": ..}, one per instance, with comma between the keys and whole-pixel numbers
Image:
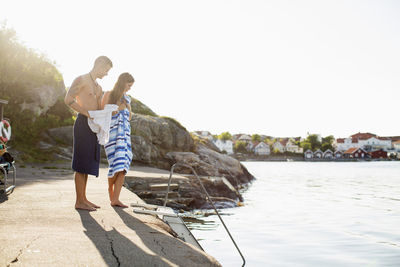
[{"x": 208, "y": 198}]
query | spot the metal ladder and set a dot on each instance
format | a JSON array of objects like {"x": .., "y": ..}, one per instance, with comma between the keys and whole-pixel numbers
[{"x": 207, "y": 197}]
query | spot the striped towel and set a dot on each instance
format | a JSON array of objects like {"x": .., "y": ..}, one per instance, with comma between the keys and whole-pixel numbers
[{"x": 118, "y": 149}]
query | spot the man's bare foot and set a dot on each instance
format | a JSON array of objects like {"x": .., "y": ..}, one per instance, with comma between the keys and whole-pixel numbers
[
  {"x": 118, "y": 204},
  {"x": 84, "y": 206},
  {"x": 92, "y": 204}
]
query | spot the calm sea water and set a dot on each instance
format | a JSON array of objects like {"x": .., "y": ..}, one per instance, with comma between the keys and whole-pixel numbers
[{"x": 311, "y": 214}]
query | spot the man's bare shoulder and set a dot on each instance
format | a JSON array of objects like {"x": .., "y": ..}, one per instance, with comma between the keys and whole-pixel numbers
[{"x": 80, "y": 81}]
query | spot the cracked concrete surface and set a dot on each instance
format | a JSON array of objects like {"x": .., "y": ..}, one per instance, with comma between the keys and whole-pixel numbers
[{"x": 40, "y": 227}]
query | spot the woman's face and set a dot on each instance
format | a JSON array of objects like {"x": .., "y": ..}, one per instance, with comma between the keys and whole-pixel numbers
[{"x": 128, "y": 87}]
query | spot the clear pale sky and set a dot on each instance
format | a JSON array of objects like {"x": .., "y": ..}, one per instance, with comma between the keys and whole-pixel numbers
[{"x": 280, "y": 68}]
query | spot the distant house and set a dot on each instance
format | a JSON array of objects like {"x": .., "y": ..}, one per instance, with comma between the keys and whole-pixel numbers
[
  {"x": 396, "y": 146},
  {"x": 292, "y": 147},
  {"x": 318, "y": 154},
  {"x": 376, "y": 143},
  {"x": 343, "y": 144},
  {"x": 308, "y": 154},
  {"x": 328, "y": 154},
  {"x": 278, "y": 145},
  {"x": 250, "y": 146},
  {"x": 356, "y": 153},
  {"x": 245, "y": 137},
  {"x": 338, "y": 154},
  {"x": 262, "y": 149},
  {"x": 224, "y": 145},
  {"x": 378, "y": 154},
  {"x": 366, "y": 141}
]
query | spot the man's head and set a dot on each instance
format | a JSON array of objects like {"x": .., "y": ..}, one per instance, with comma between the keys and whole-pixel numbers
[{"x": 101, "y": 66}]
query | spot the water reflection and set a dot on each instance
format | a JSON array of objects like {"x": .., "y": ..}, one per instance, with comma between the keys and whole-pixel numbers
[{"x": 310, "y": 214}]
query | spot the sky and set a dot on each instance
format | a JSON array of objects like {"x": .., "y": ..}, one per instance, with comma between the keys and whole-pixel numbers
[{"x": 279, "y": 68}]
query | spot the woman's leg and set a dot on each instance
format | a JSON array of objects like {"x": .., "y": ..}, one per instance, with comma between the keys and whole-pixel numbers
[
  {"x": 119, "y": 181},
  {"x": 111, "y": 182}
]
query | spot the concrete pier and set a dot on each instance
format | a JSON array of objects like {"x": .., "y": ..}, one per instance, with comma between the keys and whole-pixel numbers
[{"x": 39, "y": 226}]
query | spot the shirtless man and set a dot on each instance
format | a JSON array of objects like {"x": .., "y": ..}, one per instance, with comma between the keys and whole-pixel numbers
[{"x": 85, "y": 94}]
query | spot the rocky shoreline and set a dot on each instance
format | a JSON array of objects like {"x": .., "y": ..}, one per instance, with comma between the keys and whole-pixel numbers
[{"x": 160, "y": 142}]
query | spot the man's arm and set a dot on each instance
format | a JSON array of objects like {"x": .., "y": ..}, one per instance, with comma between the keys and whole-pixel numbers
[{"x": 73, "y": 92}]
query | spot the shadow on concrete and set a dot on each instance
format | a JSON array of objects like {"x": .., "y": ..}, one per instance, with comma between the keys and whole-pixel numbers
[
  {"x": 3, "y": 196},
  {"x": 115, "y": 248},
  {"x": 159, "y": 241}
]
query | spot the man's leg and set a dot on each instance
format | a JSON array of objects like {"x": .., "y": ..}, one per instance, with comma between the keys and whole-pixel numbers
[
  {"x": 87, "y": 201},
  {"x": 119, "y": 181},
  {"x": 80, "y": 188}
]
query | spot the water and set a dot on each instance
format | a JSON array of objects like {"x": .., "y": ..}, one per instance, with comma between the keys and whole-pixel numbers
[{"x": 311, "y": 214}]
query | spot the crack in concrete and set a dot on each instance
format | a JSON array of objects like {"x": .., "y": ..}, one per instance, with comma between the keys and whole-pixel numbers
[
  {"x": 21, "y": 250},
  {"x": 111, "y": 244},
  {"x": 162, "y": 248}
]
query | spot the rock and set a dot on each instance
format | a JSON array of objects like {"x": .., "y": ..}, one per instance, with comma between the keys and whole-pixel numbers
[
  {"x": 153, "y": 137},
  {"x": 41, "y": 99},
  {"x": 63, "y": 135},
  {"x": 212, "y": 163}
]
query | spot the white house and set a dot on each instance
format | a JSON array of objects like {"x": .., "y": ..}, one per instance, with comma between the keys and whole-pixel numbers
[
  {"x": 396, "y": 146},
  {"x": 328, "y": 154},
  {"x": 338, "y": 154},
  {"x": 376, "y": 143},
  {"x": 224, "y": 145},
  {"x": 262, "y": 149},
  {"x": 279, "y": 146},
  {"x": 308, "y": 154},
  {"x": 245, "y": 138},
  {"x": 318, "y": 154},
  {"x": 291, "y": 147},
  {"x": 343, "y": 144}
]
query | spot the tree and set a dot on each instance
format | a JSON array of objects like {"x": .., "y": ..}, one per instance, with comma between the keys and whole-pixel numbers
[
  {"x": 329, "y": 139},
  {"x": 225, "y": 136},
  {"x": 327, "y": 143},
  {"x": 240, "y": 147},
  {"x": 314, "y": 141},
  {"x": 256, "y": 137},
  {"x": 305, "y": 145},
  {"x": 326, "y": 146}
]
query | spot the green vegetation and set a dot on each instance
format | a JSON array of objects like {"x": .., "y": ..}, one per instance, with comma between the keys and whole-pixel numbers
[
  {"x": 313, "y": 143},
  {"x": 256, "y": 137},
  {"x": 173, "y": 121},
  {"x": 139, "y": 108},
  {"x": 240, "y": 147},
  {"x": 225, "y": 136},
  {"x": 21, "y": 70}
]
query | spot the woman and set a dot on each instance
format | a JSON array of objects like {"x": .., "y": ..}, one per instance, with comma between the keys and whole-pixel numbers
[{"x": 118, "y": 149}]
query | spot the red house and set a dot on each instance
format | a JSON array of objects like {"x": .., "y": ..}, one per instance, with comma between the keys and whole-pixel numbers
[
  {"x": 378, "y": 154},
  {"x": 355, "y": 153}
]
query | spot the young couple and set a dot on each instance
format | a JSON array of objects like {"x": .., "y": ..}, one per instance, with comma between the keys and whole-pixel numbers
[{"x": 84, "y": 95}]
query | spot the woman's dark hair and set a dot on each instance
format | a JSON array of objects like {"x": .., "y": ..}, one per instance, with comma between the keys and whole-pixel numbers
[{"x": 119, "y": 87}]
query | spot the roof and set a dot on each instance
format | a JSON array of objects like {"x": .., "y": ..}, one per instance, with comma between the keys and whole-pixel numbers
[
  {"x": 340, "y": 140},
  {"x": 352, "y": 150},
  {"x": 362, "y": 136}
]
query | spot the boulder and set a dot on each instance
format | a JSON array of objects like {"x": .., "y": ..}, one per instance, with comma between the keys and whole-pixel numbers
[
  {"x": 41, "y": 99},
  {"x": 153, "y": 137},
  {"x": 63, "y": 135},
  {"x": 209, "y": 162}
]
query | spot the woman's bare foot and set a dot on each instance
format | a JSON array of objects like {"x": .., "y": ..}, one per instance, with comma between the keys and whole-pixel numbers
[
  {"x": 118, "y": 204},
  {"x": 92, "y": 204},
  {"x": 84, "y": 206}
]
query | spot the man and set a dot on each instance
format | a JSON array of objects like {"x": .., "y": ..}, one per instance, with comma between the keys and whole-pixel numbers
[{"x": 85, "y": 94}]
